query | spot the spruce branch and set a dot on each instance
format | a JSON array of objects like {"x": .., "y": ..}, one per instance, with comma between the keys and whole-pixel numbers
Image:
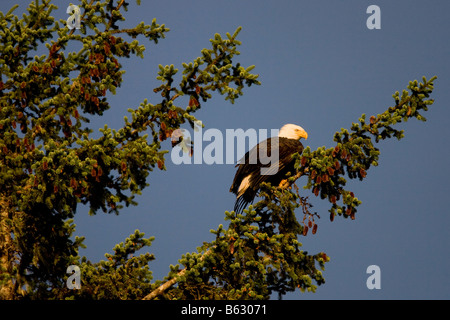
[
  {"x": 166, "y": 285},
  {"x": 261, "y": 246},
  {"x": 355, "y": 151}
]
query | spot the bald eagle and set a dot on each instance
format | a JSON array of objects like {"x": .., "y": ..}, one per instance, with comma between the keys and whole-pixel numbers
[{"x": 257, "y": 165}]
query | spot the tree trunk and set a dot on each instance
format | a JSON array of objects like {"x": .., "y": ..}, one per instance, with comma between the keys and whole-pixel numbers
[{"x": 6, "y": 253}]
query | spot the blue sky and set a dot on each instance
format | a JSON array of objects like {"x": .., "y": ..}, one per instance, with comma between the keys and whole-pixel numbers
[{"x": 321, "y": 68}]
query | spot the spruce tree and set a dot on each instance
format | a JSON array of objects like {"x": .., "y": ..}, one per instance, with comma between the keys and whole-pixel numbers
[{"x": 50, "y": 164}]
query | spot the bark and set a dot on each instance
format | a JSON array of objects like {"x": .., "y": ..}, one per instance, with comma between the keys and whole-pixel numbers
[
  {"x": 152, "y": 295},
  {"x": 6, "y": 253},
  {"x": 166, "y": 285}
]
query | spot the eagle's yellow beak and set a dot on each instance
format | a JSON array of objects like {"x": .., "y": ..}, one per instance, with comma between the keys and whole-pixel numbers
[{"x": 303, "y": 134}]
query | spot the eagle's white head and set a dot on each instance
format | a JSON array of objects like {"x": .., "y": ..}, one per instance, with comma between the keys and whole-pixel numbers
[{"x": 292, "y": 131}]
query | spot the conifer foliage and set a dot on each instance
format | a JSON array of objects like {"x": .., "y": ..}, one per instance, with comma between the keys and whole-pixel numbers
[
  {"x": 259, "y": 254},
  {"x": 50, "y": 164}
]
